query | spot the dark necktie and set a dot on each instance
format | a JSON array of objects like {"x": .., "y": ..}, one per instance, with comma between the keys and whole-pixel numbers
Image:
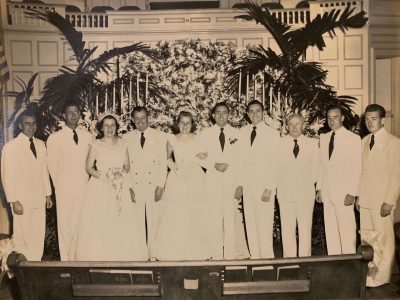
[
  {"x": 142, "y": 139},
  {"x": 75, "y": 137},
  {"x": 296, "y": 148},
  {"x": 372, "y": 142},
  {"x": 32, "y": 146},
  {"x": 331, "y": 142},
  {"x": 253, "y": 135},
  {"x": 222, "y": 139}
]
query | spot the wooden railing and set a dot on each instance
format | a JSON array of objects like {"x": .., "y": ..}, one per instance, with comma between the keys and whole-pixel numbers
[
  {"x": 292, "y": 16},
  {"x": 295, "y": 16},
  {"x": 87, "y": 20}
]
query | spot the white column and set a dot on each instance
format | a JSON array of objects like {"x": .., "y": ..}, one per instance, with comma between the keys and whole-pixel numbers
[{"x": 113, "y": 99}]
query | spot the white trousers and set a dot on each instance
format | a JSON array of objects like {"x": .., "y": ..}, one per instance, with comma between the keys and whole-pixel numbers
[
  {"x": 384, "y": 246},
  {"x": 68, "y": 210},
  {"x": 259, "y": 218},
  {"x": 340, "y": 228},
  {"x": 29, "y": 232},
  {"x": 221, "y": 222},
  {"x": 221, "y": 203},
  {"x": 300, "y": 214},
  {"x": 148, "y": 211}
]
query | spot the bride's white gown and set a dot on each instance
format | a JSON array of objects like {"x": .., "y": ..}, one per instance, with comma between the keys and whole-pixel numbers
[
  {"x": 182, "y": 232},
  {"x": 108, "y": 229}
]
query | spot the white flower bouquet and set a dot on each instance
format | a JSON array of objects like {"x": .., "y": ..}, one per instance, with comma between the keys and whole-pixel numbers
[{"x": 116, "y": 177}]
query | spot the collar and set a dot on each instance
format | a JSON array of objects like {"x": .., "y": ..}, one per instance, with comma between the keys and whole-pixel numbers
[
  {"x": 340, "y": 131},
  {"x": 260, "y": 125},
  {"x": 24, "y": 138},
  {"x": 380, "y": 133},
  {"x": 68, "y": 129},
  {"x": 379, "y": 136},
  {"x": 299, "y": 138},
  {"x": 217, "y": 128}
]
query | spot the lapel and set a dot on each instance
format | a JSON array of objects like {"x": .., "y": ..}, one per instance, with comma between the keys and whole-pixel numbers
[
  {"x": 26, "y": 151},
  {"x": 379, "y": 146},
  {"x": 215, "y": 138},
  {"x": 366, "y": 151},
  {"x": 149, "y": 136}
]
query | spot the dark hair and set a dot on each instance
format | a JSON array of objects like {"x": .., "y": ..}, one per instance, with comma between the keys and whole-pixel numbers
[
  {"x": 219, "y": 104},
  {"x": 29, "y": 112},
  {"x": 179, "y": 117},
  {"x": 70, "y": 103},
  {"x": 252, "y": 103},
  {"x": 137, "y": 109},
  {"x": 332, "y": 107},
  {"x": 376, "y": 107},
  {"x": 99, "y": 126}
]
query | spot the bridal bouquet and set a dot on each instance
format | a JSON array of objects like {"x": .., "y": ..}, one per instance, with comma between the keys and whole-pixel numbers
[{"x": 116, "y": 178}]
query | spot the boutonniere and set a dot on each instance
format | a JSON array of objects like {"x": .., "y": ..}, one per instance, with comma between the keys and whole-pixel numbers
[{"x": 232, "y": 140}]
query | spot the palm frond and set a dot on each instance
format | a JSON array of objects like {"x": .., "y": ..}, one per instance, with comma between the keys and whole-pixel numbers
[
  {"x": 312, "y": 33},
  {"x": 101, "y": 62},
  {"x": 274, "y": 26},
  {"x": 64, "y": 87},
  {"x": 73, "y": 36},
  {"x": 29, "y": 87}
]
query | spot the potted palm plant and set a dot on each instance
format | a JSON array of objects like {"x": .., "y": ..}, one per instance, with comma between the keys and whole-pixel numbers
[
  {"x": 301, "y": 82},
  {"x": 80, "y": 83}
]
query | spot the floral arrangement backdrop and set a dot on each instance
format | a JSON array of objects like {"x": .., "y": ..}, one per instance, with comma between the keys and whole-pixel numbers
[
  {"x": 188, "y": 75},
  {"x": 191, "y": 75}
]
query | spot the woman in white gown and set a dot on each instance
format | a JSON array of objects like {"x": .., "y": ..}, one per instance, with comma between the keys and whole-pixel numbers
[
  {"x": 182, "y": 232},
  {"x": 108, "y": 229}
]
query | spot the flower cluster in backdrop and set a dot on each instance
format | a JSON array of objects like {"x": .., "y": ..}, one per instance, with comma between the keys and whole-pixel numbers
[{"x": 189, "y": 75}]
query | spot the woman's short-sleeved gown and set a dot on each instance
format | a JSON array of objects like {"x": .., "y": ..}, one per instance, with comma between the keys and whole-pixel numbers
[
  {"x": 108, "y": 229},
  {"x": 182, "y": 232}
]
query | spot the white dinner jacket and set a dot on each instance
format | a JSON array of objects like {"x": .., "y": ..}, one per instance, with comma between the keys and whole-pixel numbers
[
  {"x": 258, "y": 169},
  {"x": 210, "y": 141},
  {"x": 381, "y": 171},
  {"x": 148, "y": 165},
  {"x": 297, "y": 176},
  {"x": 67, "y": 160},
  {"x": 341, "y": 174},
  {"x": 25, "y": 178}
]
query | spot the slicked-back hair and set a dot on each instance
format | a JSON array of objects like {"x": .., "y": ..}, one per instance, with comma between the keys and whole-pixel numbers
[
  {"x": 70, "y": 103},
  {"x": 376, "y": 107},
  {"x": 219, "y": 104},
  {"x": 332, "y": 107},
  {"x": 252, "y": 103},
  {"x": 137, "y": 109}
]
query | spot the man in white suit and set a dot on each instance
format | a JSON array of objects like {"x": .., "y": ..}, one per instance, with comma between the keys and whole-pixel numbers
[
  {"x": 258, "y": 175},
  {"x": 220, "y": 141},
  {"x": 338, "y": 183},
  {"x": 299, "y": 167},
  {"x": 379, "y": 191},
  {"x": 67, "y": 150},
  {"x": 27, "y": 187},
  {"x": 148, "y": 160}
]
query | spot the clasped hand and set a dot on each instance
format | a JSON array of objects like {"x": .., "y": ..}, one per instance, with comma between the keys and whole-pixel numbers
[
  {"x": 202, "y": 155},
  {"x": 221, "y": 167}
]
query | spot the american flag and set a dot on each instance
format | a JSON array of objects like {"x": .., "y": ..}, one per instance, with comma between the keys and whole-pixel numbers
[{"x": 4, "y": 73}]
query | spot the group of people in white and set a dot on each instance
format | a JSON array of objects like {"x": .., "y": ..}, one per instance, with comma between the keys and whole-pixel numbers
[{"x": 152, "y": 195}]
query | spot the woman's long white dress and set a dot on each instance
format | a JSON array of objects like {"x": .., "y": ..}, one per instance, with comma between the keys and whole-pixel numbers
[
  {"x": 182, "y": 232},
  {"x": 108, "y": 229}
]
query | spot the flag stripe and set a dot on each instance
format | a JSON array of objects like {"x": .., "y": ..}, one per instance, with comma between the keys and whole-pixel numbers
[{"x": 4, "y": 73}]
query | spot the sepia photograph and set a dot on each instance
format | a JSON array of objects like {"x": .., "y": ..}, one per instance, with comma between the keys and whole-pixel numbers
[{"x": 214, "y": 149}]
